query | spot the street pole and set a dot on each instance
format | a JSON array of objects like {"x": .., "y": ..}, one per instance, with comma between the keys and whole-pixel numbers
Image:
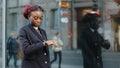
[
  {"x": 59, "y": 16},
  {"x": 4, "y": 16},
  {"x": 72, "y": 10}
]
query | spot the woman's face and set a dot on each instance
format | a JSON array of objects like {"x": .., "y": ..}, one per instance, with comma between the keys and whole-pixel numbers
[{"x": 36, "y": 18}]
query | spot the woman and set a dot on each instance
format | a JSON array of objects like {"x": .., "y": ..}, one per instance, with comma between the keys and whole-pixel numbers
[
  {"x": 33, "y": 39},
  {"x": 57, "y": 48},
  {"x": 91, "y": 41}
]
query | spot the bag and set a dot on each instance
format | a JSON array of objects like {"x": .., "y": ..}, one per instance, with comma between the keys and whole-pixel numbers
[{"x": 56, "y": 49}]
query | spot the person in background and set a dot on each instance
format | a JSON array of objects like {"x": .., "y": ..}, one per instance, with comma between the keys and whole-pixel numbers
[
  {"x": 57, "y": 48},
  {"x": 33, "y": 39},
  {"x": 91, "y": 41},
  {"x": 12, "y": 49}
]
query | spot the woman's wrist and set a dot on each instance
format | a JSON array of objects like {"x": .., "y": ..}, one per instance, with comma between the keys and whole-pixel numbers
[{"x": 44, "y": 43}]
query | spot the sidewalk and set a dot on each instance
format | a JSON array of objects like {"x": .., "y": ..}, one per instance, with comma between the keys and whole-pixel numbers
[
  {"x": 73, "y": 59},
  {"x": 66, "y": 66},
  {"x": 53, "y": 65},
  {"x": 11, "y": 64}
]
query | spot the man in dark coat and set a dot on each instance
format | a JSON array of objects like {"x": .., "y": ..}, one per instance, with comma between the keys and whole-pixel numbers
[
  {"x": 33, "y": 39},
  {"x": 12, "y": 49},
  {"x": 91, "y": 41}
]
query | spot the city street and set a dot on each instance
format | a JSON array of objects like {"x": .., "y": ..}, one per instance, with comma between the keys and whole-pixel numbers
[
  {"x": 66, "y": 17},
  {"x": 73, "y": 59}
]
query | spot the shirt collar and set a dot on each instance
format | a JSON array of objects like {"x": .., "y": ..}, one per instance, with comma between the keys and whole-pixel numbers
[{"x": 35, "y": 27}]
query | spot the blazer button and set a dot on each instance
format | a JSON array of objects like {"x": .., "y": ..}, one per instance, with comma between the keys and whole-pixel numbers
[
  {"x": 45, "y": 62},
  {"x": 98, "y": 57},
  {"x": 98, "y": 63},
  {"x": 95, "y": 44},
  {"x": 45, "y": 54}
]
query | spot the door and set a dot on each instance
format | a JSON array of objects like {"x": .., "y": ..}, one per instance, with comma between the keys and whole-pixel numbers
[{"x": 80, "y": 12}]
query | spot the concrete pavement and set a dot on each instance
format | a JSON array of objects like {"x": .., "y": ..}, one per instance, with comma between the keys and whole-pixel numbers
[
  {"x": 73, "y": 59},
  {"x": 66, "y": 66}
]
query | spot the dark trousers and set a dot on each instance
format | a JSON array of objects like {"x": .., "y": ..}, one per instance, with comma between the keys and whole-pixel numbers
[
  {"x": 10, "y": 55},
  {"x": 55, "y": 58}
]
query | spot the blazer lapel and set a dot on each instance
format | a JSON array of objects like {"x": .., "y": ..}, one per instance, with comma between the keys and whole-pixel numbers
[{"x": 42, "y": 38}]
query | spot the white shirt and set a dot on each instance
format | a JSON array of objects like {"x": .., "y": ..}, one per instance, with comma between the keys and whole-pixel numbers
[{"x": 36, "y": 28}]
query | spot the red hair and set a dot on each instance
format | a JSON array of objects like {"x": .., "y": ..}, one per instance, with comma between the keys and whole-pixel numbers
[{"x": 30, "y": 8}]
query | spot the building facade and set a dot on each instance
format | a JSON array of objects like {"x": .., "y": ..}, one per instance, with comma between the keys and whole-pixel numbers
[
  {"x": 65, "y": 20},
  {"x": 0, "y": 22},
  {"x": 109, "y": 26}
]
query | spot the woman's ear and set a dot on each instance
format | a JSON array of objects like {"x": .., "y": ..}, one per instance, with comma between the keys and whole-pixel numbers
[
  {"x": 29, "y": 19},
  {"x": 28, "y": 16}
]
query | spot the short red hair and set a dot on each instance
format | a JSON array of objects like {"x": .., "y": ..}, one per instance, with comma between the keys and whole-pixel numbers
[{"x": 30, "y": 8}]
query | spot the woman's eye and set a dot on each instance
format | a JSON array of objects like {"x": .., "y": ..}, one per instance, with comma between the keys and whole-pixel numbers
[
  {"x": 41, "y": 18},
  {"x": 35, "y": 18}
]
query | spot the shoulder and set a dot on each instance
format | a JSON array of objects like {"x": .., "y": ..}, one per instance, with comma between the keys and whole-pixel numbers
[
  {"x": 9, "y": 39},
  {"x": 25, "y": 27},
  {"x": 42, "y": 29},
  {"x": 54, "y": 37},
  {"x": 84, "y": 33},
  {"x": 23, "y": 30}
]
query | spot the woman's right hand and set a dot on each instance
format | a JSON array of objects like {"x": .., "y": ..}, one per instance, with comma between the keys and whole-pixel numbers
[{"x": 49, "y": 43}]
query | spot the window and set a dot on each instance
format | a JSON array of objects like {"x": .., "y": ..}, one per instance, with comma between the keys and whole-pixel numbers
[{"x": 55, "y": 20}]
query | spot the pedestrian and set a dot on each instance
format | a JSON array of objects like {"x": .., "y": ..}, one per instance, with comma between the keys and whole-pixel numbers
[
  {"x": 57, "y": 48},
  {"x": 12, "y": 49},
  {"x": 33, "y": 39},
  {"x": 91, "y": 41}
]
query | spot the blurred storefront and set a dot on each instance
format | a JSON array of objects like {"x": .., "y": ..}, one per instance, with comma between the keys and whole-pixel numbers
[
  {"x": 109, "y": 28},
  {"x": 111, "y": 24},
  {"x": 116, "y": 20}
]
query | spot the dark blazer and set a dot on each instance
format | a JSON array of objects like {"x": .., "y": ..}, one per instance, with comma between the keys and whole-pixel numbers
[
  {"x": 91, "y": 44},
  {"x": 36, "y": 55}
]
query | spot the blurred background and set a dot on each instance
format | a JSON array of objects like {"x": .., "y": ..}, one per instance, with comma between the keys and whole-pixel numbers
[{"x": 64, "y": 16}]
